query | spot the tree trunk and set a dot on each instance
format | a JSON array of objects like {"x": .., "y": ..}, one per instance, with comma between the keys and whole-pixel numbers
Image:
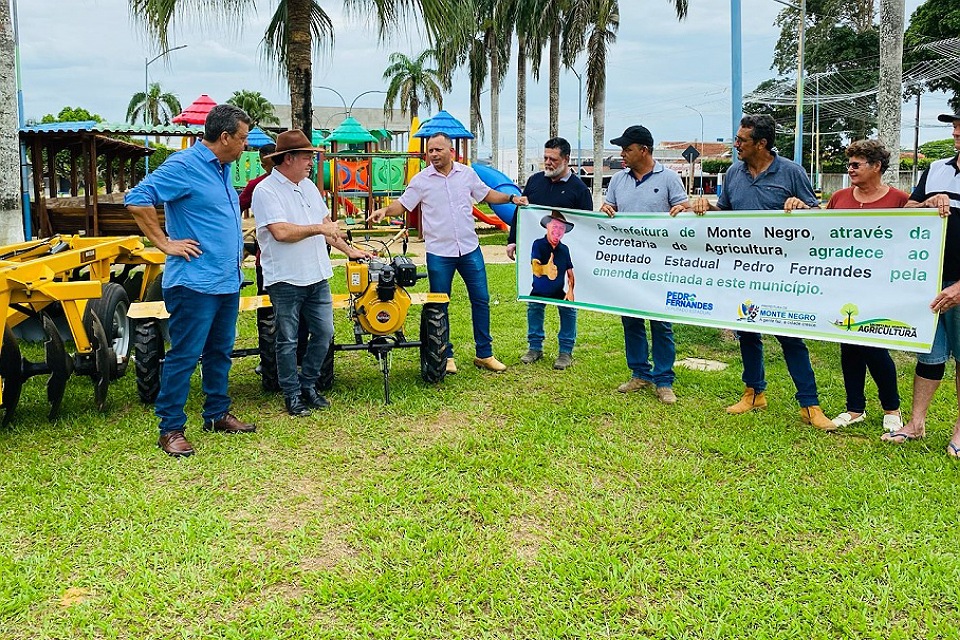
[
  {"x": 598, "y": 124},
  {"x": 555, "y": 81},
  {"x": 475, "y": 122},
  {"x": 494, "y": 100},
  {"x": 11, "y": 212},
  {"x": 890, "y": 91},
  {"x": 299, "y": 66},
  {"x": 521, "y": 110}
]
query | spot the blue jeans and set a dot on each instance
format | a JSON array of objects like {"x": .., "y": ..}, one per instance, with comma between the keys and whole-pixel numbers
[
  {"x": 201, "y": 325},
  {"x": 568, "y": 327},
  {"x": 440, "y": 270},
  {"x": 314, "y": 304},
  {"x": 798, "y": 364},
  {"x": 638, "y": 351},
  {"x": 946, "y": 340}
]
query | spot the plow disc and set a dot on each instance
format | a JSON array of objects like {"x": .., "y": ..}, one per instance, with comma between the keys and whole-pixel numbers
[
  {"x": 59, "y": 364},
  {"x": 11, "y": 370},
  {"x": 103, "y": 362}
]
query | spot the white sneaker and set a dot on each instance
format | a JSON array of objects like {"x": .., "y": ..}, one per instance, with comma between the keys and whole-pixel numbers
[
  {"x": 845, "y": 419},
  {"x": 892, "y": 422}
]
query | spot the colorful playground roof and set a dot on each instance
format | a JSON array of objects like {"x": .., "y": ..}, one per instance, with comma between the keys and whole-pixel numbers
[
  {"x": 197, "y": 112},
  {"x": 443, "y": 122},
  {"x": 350, "y": 131}
]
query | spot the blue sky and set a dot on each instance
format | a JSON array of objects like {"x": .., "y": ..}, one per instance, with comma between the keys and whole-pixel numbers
[{"x": 661, "y": 72}]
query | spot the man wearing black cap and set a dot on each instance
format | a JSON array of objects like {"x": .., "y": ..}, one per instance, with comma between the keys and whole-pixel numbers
[
  {"x": 939, "y": 188},
  {"x": 645, "y": 185}
]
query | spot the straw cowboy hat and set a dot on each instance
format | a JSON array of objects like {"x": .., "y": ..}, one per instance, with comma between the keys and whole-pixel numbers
[
  {"x": 293, "y": 140},
  {"x": 556, "y": 215}
]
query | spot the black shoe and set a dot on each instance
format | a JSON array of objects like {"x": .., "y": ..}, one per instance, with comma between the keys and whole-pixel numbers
[
  {"x": 313, "y": 399},
  {"x": 296, "y": 407}
]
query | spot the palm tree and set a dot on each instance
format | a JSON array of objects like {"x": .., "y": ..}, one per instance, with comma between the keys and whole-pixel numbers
[
  {"x": 889, "y": 100},
  {"x": 256, "y": 105},
  {"x": 474, "y": 34},
  {"x": 153, "y": 108},
  {"x": 11, "y": 216},
  {"x": 414, "y": 83},
  {"x": 294, "y": 28},
  {"x": 591, "y": 26}
]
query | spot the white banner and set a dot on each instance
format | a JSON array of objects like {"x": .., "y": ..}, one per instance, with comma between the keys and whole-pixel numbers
[{"x": 857, "y": 276}]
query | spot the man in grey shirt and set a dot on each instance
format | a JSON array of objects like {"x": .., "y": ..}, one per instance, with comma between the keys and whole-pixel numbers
[{"x": 644, "y": 185}]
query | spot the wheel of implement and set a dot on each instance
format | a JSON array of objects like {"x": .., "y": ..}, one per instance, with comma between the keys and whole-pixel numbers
[
  {"x": 325, "y": 381},
  {"x": 11, "y": 372},
  {"x": 111, "y": 308},
  {"x": 267, "y": 343},
  {"x": 434, "y": 334},
  {"x": 103, "y": 360},
  {"x": 58, "y": 362},
  {"x": 148, "y": 352}
]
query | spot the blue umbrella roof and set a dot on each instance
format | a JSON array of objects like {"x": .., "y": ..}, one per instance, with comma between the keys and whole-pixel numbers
[
  {"x": 443, "y": 122},
  {"x": 257, "y": 138}
]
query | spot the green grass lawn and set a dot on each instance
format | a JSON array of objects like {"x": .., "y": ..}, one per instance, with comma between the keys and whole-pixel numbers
[{"x": 531, "y": 504}]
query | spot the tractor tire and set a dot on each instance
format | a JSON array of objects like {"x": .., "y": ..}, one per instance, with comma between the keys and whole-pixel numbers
[
  {"x": 325, "y": 381},
  {"x": 111, "y": 309},
  {"x": 148, "y": 352},
  {"x": 131, "y": 284},
  {"x": 267, "y": 342},
  {"x": 434, "y": 334}
]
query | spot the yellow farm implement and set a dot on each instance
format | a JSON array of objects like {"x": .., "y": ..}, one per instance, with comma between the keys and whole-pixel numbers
[{"x": 75, "y": 274}]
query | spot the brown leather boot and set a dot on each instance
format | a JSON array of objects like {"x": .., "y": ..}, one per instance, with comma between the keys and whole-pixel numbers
[
  {"x": 751, "y": 400},
  {"x": 813, "y": 415}
]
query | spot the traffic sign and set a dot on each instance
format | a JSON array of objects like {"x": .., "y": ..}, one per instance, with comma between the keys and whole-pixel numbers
[{"x": 690, "y": 153}]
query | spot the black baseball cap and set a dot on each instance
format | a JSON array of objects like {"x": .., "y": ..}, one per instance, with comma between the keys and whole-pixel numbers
[
  {"x": 636, "y": 134},
  {"x": 948, "y": 117}
]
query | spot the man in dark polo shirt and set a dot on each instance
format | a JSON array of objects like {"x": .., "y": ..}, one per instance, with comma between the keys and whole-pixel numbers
[
  {"x": 939, "y": 188},
  {"x": 555, "y": 186}
]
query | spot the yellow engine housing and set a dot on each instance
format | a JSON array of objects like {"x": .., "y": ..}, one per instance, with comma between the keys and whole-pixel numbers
[{"x": 380, "y": 317}]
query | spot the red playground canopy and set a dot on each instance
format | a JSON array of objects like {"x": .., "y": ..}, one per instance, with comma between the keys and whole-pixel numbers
[{"x": 197, "y": 112}]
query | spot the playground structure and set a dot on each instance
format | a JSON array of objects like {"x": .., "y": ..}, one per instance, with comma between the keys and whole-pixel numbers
[{"x": 75, "y": 275}]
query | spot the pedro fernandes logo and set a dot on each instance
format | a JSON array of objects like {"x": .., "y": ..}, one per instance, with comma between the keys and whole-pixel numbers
[
  {"x": 748, "y": 311},
  {"x": 875, "y": 326},
  {"x": 688, "y": 302}
]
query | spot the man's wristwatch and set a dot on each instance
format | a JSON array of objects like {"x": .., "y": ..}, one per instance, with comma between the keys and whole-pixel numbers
[{"x": 513, "y": 198}]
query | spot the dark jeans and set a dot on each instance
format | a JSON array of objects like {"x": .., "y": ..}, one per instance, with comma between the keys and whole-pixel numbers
[
  {"x": 314, "y": 304},
  {"x": 855, "y": 359},
  {"x": 638, "y": 351},
  {"x": 798, "y": 364},
  {"x": 567, "y": 337},
  {"x": 204, "y": 325},
  {"x": 440, "y": 270}
]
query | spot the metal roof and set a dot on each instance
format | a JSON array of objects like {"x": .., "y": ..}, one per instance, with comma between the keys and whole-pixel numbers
[{"x": 113, "y": 128}]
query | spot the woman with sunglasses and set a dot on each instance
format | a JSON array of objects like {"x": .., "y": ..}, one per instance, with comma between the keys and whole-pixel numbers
[{"x": 867, "y": 160}]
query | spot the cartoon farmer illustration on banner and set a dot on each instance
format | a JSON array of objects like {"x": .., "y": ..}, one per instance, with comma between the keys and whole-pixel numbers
[{"x": 550, "y": 260}]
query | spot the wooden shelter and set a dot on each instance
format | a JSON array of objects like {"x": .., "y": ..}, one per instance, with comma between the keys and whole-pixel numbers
[{"x": 95, "y": 156}]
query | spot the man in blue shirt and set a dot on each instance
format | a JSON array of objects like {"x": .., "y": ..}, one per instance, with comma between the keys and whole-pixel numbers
[
  {"x": 763, "y": 180},
  {"x": 555, "y": 186},
  {"x": 201, "y": 280}
]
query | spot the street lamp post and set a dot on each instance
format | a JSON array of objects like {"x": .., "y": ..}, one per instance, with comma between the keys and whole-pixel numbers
[
  {"x": 801, "y": 6},
  {"x": 318, "y": 86},
  {"x": 350, "y": 110},
  {"x": 701, "y": 124},
  {"x": 146, "y": 93}
]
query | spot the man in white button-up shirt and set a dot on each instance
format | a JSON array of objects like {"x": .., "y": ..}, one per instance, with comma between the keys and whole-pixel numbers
[
  {"x": 293, "y": 230},
  {"x": 445, "y": 192}
]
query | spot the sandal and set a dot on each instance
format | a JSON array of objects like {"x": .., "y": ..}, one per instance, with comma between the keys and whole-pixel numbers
[
  {"x": 953, "y": 450},
  {"x": 900, "y": 437}
]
